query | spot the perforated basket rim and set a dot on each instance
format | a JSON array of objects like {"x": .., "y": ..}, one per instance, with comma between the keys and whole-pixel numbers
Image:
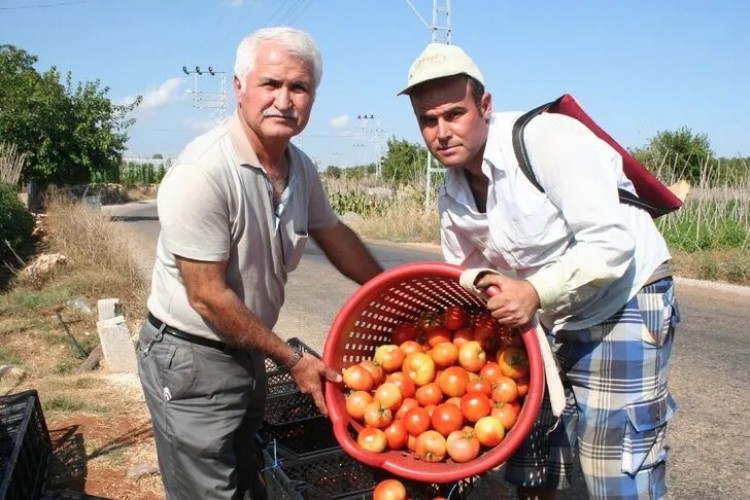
[{"x": 402, "y": 463}]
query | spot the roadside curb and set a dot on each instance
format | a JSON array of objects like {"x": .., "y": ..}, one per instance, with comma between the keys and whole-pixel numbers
[{"x": 714, "y": 285}]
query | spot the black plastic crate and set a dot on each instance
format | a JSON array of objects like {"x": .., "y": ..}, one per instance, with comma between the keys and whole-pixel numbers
[
  {"x": 335, "y": 475},
  {"x": 25, "y": 447},
  {"x": 299, "y": 438}
]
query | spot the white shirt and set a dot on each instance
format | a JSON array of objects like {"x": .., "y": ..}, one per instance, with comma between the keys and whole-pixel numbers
[
  {"x": 585, "y": 253},
  {"x": 215, "y": 204}
]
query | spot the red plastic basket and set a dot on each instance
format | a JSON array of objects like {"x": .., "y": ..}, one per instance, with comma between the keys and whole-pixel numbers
[{"x": 403, "y": 293}]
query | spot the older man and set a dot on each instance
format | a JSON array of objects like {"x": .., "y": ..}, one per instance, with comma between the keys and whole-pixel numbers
[{"x": 236, "y": 210}]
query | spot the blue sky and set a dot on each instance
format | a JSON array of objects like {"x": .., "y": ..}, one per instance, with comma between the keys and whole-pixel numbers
[{"x": 637, "y": 66}]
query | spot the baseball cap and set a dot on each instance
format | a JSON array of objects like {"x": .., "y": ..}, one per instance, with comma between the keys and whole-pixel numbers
[{"x": 439, "y": 60}]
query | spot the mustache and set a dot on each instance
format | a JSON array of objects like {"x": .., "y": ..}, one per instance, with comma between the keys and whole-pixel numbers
[{"x": 285, "y": 114}]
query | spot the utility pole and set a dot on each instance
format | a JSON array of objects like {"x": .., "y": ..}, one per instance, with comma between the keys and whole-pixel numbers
[
  {"x": 215, "y": 101},
  {"x": 371, "y": 129},
  {"x": 441, "y": 33}
]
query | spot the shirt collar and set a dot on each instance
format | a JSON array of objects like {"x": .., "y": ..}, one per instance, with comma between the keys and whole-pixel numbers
[{"x": 241, "y": 144}]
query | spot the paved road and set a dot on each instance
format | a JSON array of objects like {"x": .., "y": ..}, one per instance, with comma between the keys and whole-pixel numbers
[{"x": 709, "y": 437}]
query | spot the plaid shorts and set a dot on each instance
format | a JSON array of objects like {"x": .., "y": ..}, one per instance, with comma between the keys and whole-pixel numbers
[{"x": 618, "y": 404}]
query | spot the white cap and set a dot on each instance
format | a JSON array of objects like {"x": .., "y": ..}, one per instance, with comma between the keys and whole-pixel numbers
[{"x": 438, "y": 61}]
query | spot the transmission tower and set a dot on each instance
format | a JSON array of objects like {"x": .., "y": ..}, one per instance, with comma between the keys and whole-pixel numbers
[
  {"x": 441, "y": 33},
  {"x": 372, "y": 131},
  {"x": 215, "y": 100}
]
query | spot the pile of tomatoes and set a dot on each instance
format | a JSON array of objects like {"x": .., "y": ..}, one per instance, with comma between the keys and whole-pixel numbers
[{"x": 447, "y": 386}]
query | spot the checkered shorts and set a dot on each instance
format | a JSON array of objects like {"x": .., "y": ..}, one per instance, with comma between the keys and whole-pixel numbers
[{"x": 618, "y": 404}]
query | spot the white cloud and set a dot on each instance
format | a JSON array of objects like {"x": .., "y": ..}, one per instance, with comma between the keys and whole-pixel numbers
[
  {"x": 340, "y": 121},
  {"x": 167, "y": 92}
]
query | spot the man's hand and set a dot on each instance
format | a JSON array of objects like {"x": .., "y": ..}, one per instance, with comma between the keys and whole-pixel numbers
[
  {"x": 309, "y": 374},
  {"x": 516, "y": 303}
]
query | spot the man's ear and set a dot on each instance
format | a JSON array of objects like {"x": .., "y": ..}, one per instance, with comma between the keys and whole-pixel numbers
[
  {"x": 486, "y": 105},
  {"x": 237, "y": 90}
]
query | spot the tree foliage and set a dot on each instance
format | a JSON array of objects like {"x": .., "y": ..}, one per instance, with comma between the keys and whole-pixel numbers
[
  {"x": 404, "y": 162},
  {"x": 69, "y": 133},
  {"x": 687, "y": 154}
]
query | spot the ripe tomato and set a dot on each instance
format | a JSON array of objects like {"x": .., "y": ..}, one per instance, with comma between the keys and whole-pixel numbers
[
  {"x": 505, "y": 390},
  {"x": 486, "y": 333},
  {"x": 411, "y": 346},
  {"x": 462, "y": 445},
  {"x": 474, "y": 405},
  {"x": 507, "y": 413},
  {"x": 403, "y": 332},
  {"x": 489, "y": 431},
  {"x": 377, "y": 372},
  {"x": 514, "y": 362},
  {"x": 416, "y": 421},
  {"x": 462, "y": 336},
  {"x": 429, "y": 394},
  {"x": 356, "y": 403},
  {"x": 491, "y": 372},
  {"x": 403, "y": 382},
  {"x": 357, "y": 377},
  {"x": 390, "y": 357},
  {"x": 396, "y": 435},
  {"x": 389, "y": 395},
  {"x": 455, "y": 317},
  {"x": 389, "y": 489},
  {"x": 430, "y": 446},
  {"x": 438, "y": 335},
  {"x": 510, "y": 337},
  {"x": 377, "y": 415},
  {"x": 372, "y": 439},
  {"x": 523, "y": 386},
  {"x": 406, "y": 405},
  {"x": 479, "y": 384},
  {"x": 447, "y": 418},
  {"x": 428, "y": 321},
  {"x": 445, "y": 354},
  {"x": 453, "y": 381},
  {"x": 471, "y": 356},
  {"x": 420, "y": 368}
]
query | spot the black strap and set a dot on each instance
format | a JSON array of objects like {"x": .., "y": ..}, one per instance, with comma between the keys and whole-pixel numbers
[
  {"x": 189, "y": 337},
  {"x": 522, "y": 156}
]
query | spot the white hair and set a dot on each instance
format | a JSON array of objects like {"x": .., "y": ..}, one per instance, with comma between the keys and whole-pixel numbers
[{"x": 293, "y": 40}]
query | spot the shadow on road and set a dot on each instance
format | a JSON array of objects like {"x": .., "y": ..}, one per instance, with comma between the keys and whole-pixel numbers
[{"x": 133, "y": 218}]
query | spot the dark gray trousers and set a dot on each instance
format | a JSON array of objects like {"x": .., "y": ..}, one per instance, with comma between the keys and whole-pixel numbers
[{"x": 206, "y": 406}]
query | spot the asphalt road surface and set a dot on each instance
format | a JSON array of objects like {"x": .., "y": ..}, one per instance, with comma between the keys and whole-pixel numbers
[{"x": 709, "y": 437}]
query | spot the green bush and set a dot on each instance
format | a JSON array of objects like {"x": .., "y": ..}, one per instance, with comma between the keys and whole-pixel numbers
[{"x": 16, "y": 223}]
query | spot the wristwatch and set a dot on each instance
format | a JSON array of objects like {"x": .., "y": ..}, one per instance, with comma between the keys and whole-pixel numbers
[{"x": 297, "y": 353}]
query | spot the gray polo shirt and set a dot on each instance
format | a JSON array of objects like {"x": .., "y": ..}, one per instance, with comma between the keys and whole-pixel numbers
[{"x": 215, "y": 204}]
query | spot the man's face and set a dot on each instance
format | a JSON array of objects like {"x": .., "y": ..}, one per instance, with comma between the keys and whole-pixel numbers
[
  {"x": 277, "y": 97},
  {"x": 453, "y": 127}
]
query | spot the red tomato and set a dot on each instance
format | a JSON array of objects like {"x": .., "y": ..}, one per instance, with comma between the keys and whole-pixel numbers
[
  {"x": 489, "y": 431},
  {"x": 430, "y": 446},
  {"x": 491, "y": 372},
  {"x": 429, "y": 394},
  {"x": 396, "y": 435},
  {"x": 505, "y": 390},
  {"x": 403, "y": 382},
  {"x": 514, "y": 362},
  {"x": 390, "y": 357},
  {"x": 455, "y": 317},
  {"x": 411, "y": 346},
  {"x": 372, "y": 439},
  {"x": 479, "y": 384},
  {"x": 462, "y": 336},
  {"x": 453, "y": 381},
  {"x": 356, "y": 403},
  {"x": 486, "y": 332},
  {"x": 510, "y": 337},
  {"x": 377, "y": 372},
  {"x": 445, "y": 354},
  {"x": 475, "y": 405},
  {"x": 420, "y": 368},
  {"x": 357, "y": 377},
  {"x": 416, "y": 421},
  {"x": 463, "y": 446},
  {"x": 507, "y": 413},
  {"x": 523, "y": 386},
  {"x": 389, "y": 489},
  {"x": 389, "y": 395},
  {"x": 428, "y": 321},
  {"x": 406, "y": 405},
  {"x": 377, "y": 415},
  {"x": 438, "y": 336},
  {"x": 447, "y": 418},
  {"x": 403, "y": 332},
  {"x": 471, "y": 356}
]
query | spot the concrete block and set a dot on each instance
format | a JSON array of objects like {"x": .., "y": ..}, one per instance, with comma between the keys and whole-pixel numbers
[
  {"x": 109, "y": 308},
  {"x": 117, "y": 346}
]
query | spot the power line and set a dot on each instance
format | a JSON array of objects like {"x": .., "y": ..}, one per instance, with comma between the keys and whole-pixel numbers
[{"x": 47, "y": 5}]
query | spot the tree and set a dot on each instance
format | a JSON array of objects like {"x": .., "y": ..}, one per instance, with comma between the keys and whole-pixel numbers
[
  {"x": 405, "y": 162},
  {"x": 70, "y": 134},
  {"x": 686, "y": 154}
]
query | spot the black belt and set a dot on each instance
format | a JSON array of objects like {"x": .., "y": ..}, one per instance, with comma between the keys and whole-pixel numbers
[{"x": 189, "y": 337}]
